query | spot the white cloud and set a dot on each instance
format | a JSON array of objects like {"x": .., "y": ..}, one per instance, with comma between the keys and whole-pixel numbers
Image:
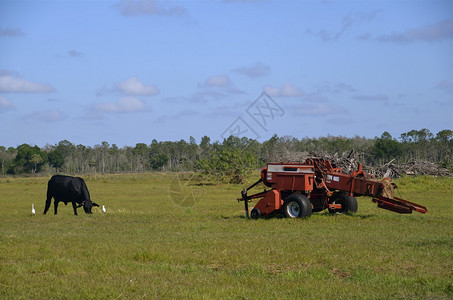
[
  {"x": 4, "y": 72},
  {"x": 217, "y": 81},
  {"x": 148, "y": 7},
  {"x": 336, "y": 88},
  {"x": 5, "y": 104},
  {"x": 188, "y": 113},
  {"x": 437, "y": 32},
  {"x": 11, "y": 32},
  {"x": 379, "y": 97},
  {"x": 257, "y": 70},
  {"x": 204, "y": 96},
  {"x": 235, "y": 91},
  {"x": 12, "y": 84},
  {"x": 446, "y": 86},
  {"x": 74, "y": 53},
  {"x": 47, "y": 116},
  {"x": 105, "y": 91},
  {"x": 123, "y": 105},
  {"x": 314, "y": 97},
  {"x": 134, "y": 87},
  {"x": 347, "y": 22},
  {"x": 287, "y": 90},
  {"x": 318, "y": 109}
]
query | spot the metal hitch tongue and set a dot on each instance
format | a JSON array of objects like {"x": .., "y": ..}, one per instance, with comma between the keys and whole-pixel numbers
[{"x": 399, "y": 205}]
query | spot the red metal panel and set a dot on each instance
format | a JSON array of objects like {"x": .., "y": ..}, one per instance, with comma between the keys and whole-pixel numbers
[
  {"x": 288, "y": 176},
  {"x": 294, "y": 182},
  {"x": 338, "y": 181},
  {"x": 270, "y": 203},
  {"x": 344, "y": 182}
]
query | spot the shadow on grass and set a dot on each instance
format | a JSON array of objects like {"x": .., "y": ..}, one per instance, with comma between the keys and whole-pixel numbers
[
  {"x": 202, "y": 184},
  {"x": 351, "y": 215},
  {"x": 323, "y": 214},
  {"x": 432, "y": 242}
]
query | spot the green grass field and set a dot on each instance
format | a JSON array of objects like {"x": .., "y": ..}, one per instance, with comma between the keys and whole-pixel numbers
[{"x": 160, "y": 240}]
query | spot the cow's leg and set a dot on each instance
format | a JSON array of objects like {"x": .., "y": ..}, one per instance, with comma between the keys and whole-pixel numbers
[
  {"x": 55, "y": 205},
  {"x": 75, "y": 207},
  {"x": 48, "y": 201}
]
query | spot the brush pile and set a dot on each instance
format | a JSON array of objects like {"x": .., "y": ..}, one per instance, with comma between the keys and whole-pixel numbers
[
  {"x": 348, "y": 162},
  {"x": 393, "y": 170}
]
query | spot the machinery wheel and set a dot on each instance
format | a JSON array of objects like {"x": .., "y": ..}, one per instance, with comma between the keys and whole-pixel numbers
[
  {"x": 255, "y": 213},
  {"x": 297, "y": 206},
  {"x": 348, "y": 203}
]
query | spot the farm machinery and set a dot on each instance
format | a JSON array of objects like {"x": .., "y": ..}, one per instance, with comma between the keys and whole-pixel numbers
[{"x": 298, "y": 189}]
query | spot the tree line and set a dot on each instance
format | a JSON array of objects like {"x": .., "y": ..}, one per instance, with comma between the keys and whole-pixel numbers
[{"x": 229, "y": 158}]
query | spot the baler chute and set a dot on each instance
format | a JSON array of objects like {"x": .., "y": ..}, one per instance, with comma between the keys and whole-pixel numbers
[{"x": 298, "y": 189}]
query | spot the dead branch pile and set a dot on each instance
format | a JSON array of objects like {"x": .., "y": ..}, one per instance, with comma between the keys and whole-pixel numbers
[
  {"x": 393, "y": 170},
  {"x": 349, "y": 161}
]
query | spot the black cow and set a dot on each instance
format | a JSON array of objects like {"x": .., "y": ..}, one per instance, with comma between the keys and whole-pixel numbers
[{"x": 68, "y": 189}]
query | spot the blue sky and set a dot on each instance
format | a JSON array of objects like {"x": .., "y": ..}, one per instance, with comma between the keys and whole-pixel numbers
[{"x": 128, "y": 72}]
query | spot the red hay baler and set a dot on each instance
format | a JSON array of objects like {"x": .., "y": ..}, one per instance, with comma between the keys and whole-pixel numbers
[{"x": 298, "y": 189}]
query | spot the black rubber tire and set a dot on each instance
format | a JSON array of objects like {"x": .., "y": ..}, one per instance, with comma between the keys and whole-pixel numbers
[
  {"x": 297, "y": 206},
  {"x": 348, "y": 203},
  {"x": 255, "y": 214}
]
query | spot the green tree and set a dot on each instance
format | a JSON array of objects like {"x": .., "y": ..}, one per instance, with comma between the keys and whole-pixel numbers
[
  {"x": 36, "y": 159},
  {"x": 56, "y": 159},
  {"x": 158, "y": 161},
  {"x": 69, "y": 152},
  {"x": 386, "y": 148},
  {"x": 444, "y": 140},
  {"x": 27, "y": 159},
  {"x": 228, "y": 165},
  {"x": 418, "y": 144},
  {"x": 272, "y": 150},
  {"x": 141, "y": 153},
  {"x": 7, "y": 158},
  {"x": 445, "y": 136},
  {"x": 3, "y": 155},
  {"x": 205, "y": 143}
]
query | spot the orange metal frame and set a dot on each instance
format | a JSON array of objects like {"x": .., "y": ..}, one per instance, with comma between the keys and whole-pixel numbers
[{"x": 318, "y": 179}]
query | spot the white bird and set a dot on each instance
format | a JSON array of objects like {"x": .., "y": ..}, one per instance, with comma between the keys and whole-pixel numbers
[
  {"x": 103, "y": 209},
  {"x": 33, "y": 212}
]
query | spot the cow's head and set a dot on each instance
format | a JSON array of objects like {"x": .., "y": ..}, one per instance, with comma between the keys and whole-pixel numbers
[{"x": 87, "y": 205}]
